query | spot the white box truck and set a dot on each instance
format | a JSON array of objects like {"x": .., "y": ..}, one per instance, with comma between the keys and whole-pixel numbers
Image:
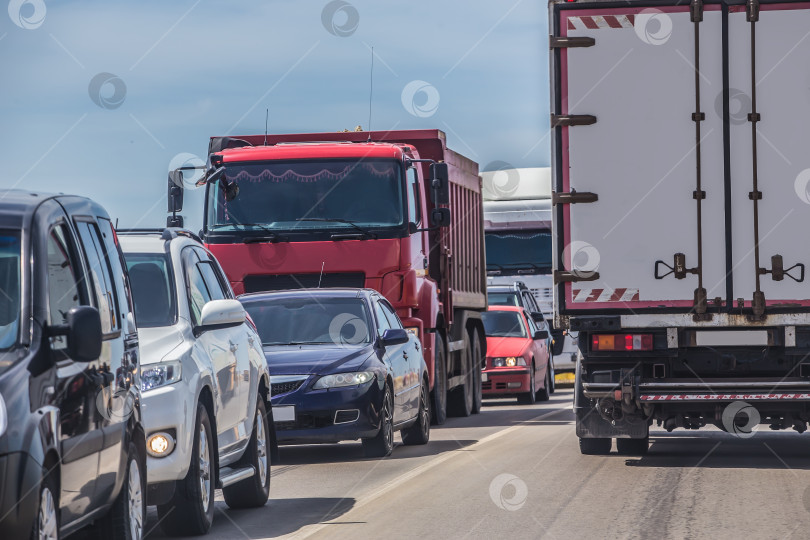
[{"x": 680, "y": 169}]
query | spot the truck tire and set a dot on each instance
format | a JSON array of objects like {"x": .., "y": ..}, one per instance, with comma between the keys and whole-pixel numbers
[
  {"x": 191, "y": 511},
  {"x": 439, "y": 394},
  {"x": 460, "y": 400},
  {"x": 382, "y": 444},
  {"x": 253, "y": 492},
  {"x": 595, "y": 447},
  {"x": 633, "y": 447},
  {"x": 478, "y": 365},
  {"x": 419, "y": 432}
]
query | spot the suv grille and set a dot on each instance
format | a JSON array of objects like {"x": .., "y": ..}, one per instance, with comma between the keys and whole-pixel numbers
[{"x": 303, "y": 281}]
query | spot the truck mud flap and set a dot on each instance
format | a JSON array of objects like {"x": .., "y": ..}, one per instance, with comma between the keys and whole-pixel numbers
[{"x": 592, "y": 426}]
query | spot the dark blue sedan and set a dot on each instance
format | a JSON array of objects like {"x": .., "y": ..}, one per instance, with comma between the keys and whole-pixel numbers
[{"x": 342, "y": 367}]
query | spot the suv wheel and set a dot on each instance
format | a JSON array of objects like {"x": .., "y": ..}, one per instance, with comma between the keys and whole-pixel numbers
[
  {"x": 191, "y": 510},
  {"x": 46, "y": 525},
  {"x": 128, "y": 513},
  {"x": 254, "y": 491}
]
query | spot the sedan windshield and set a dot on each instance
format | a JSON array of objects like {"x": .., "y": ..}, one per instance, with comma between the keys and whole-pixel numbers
[
  {"x": 309, "y": 195},
  {"x": 152, "y": 289},
  {"x": 504, "y": 324},
  {"x": 310, "y": 320},
  {"x": 9, "y": 288}
]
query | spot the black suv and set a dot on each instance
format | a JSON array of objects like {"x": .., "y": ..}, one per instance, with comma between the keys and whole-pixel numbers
[{"x": 72, "y": 448}]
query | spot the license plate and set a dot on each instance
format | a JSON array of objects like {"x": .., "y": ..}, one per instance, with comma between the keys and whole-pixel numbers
[
  {"x": 719, "y": 338},
  {"x": 284, "y": 414},
  {"x": 484, "y": 377}
]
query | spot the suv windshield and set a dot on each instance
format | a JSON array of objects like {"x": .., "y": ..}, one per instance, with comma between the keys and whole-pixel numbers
[
  {"x": 504, "y": 324},
  {"x": 152, "y": 289},
  {"x": 308, "y": 320},
  {"x": 503, "y": 299},
  {"x": 524, "y": 252},
  {"x": 9, "y": 288},
  {"x": 309, "y": 195}
]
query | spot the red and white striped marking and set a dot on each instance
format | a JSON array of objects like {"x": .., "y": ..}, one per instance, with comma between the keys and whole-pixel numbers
[
  {"x": 727, "y": 397},
  {"x": 600, "y": 21},
  {"x": 606, "y": 295}
]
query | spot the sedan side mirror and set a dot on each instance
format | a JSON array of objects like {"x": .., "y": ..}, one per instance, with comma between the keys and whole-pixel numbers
[
  {"x": 394, "y": 336},
  {"x": 218, "y": 314},
  {"x": 541, "y": 334},
  {"x": 83, "y": 331}
]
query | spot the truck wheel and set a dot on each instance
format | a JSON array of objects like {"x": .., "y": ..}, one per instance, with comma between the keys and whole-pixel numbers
[
  {"x": 633, "y": 447},
  {"x": 595, "y": 447},
  {"x": 253, "y": 492},
  {"x": 439, "y": 393},
  {"x": 460, "y": 400},
  {"x": 191, "y": 510},
  {"x": 127, "y": 516},
  {"x": 383, "y": 443},
  {"x": 419, "y": 432},
  {"x": 544, "y": 393},
  {"x": 478, "y": 365},
  {"x": 529, "y": 397}
]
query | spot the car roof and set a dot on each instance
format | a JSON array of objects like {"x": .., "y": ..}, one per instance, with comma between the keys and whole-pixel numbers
[
  {"x": 18, "y": 205},
  {"x": 337, "y": 292},
  {"x": 153, "y": 240}
]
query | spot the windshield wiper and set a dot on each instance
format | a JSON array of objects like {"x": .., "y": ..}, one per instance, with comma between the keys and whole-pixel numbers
[
  {"x": 340, "y": 220},
  {"x": 271, "y": 236}
]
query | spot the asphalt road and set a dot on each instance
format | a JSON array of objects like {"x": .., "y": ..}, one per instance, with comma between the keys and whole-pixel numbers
[{"x": 516, "y": 472}]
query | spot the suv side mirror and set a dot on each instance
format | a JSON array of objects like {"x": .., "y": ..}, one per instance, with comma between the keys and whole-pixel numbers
[
  {"x": 541, "y": 334},
  {"x": 394, "y": 336},
  {"x": 440, "y": 183},
  {"x": 218, "y": 314},
  {"x": 83, "y": 331},
  {"x": 440, "y": 217}
]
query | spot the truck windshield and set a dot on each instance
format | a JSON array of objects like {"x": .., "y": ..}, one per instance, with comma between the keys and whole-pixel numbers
[
  {"x": 152, "y": 289},
  {"x": 309, "y": 195},
  {"x": 503, "y": 324},
  {"x": 513, "y": 252},
  {"x": 310, "y": 320},
  {"x": 9, "y": 288}
]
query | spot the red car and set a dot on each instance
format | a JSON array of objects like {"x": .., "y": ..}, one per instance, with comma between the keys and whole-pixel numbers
[{"x": 517, "y": 360}]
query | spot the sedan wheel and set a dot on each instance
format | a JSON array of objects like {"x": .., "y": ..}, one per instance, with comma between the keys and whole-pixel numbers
[
  {"x": 419, "y": 432},
  {"x": 383, "y": 443}
]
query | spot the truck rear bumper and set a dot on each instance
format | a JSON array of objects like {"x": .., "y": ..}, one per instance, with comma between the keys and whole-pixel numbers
[{"x": 708, "y": 390}]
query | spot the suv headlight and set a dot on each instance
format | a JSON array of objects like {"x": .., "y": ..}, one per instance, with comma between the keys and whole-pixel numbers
[
  {"x": 3, "y": 416},
  {"x": 343, "y": 379},
  {"x": 157, "y": 375}
]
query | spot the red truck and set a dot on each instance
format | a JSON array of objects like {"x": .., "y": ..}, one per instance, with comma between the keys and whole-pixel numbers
[{"x": 394, "y": 211}]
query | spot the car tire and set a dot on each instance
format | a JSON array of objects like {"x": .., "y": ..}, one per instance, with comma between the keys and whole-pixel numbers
[
  {"x": 439, "y": 394},
  {"x": 553, "y": 379},
  {"x": 191, "y": 510},
  {"x": 127, "y": 516},
  {"x": 382, "y": 444},
  {"x": 528, "y": 398},
  {"x": 595, "y": 447},
  {"x": 46, "y": 522},
  {"x": 545, "y": 393},
  {"x": 460, "y": 400},
  {"x": 633, "y": 447},
  {"x": 253, "y": 492},
  {"x": 478, "y": 365},
  {"x": 419, "y": 432}
]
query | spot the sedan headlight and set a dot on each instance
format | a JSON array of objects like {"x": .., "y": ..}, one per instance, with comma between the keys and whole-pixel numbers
[
  {"x": 508, "y": 361},
  {"x": 157, "y": 375},
  {"x": 343, "y": 379},
  {"x": 3, "y": 416}
]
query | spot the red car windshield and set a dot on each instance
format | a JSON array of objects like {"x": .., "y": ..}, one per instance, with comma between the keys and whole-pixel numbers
[{"x": 504, "y": 324}]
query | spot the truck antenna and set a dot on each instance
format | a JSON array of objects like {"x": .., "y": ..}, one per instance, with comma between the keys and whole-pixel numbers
[
  {"x": 370, "y": 93},
  {"x": 266, "y": 121},
  {"x": 321, "y": 276}
]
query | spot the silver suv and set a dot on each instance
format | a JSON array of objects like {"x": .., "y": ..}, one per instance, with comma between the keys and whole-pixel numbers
[{"x": 204, "y": 381}]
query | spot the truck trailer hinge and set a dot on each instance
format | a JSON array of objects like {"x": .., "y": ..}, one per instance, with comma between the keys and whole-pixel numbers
[
  {"x": 778, "y": 271},
  {"x": 558, "y": 42},
  {"x": 565, "y": 120},
  {"x": 696, "y": 10},
  {"x": 678, "y": 268},
  {"x": 752, "y": 10},
  {"x": 563, "y": 276},
  {"x": 574, "y": 197}
]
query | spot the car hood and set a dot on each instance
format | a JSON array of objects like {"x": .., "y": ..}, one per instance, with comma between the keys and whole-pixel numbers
[
  {"x": 507, "y": 346},
  {"x": 315, "y": 359},
  {"x": 156, "y": 344}
]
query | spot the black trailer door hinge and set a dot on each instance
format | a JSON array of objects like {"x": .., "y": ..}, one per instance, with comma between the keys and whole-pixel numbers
[
  {"x": 752, "y": 10},
  {"x": 574, "y": 197},
  {"x": 563, "y": 276},
  {"x": 778, "y": 271},
  {"x": 559, "y": 42},
  {"x": 565, "y": 120},
  {"x": 696, "y": 11},
  {"x": 678, "y": 268}
]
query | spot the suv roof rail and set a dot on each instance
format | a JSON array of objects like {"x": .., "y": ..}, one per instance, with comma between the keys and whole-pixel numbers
[{"x": 167, "y": 233}]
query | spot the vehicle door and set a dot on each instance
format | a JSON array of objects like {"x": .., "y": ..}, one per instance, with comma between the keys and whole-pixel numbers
[
  {"x": 243, "y": 402},
  {"x": 419, "y": 259},
  {"x": 77, "y": 383},
  {"x": 218, "y": 349},
  {"x": 395, "y": 359},
  {"x": 413, "y": 359},
  {"x": 116, "y": 367},
  {"x": 539, "y": 346}
]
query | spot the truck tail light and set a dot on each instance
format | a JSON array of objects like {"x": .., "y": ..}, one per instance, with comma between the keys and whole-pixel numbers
[{"x": 621, "y": 342}]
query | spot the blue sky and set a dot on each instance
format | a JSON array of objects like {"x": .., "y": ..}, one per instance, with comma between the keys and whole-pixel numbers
[{"x": 181, "y": 71}]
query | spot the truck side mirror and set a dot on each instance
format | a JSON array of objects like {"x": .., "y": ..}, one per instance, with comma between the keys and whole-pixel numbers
[
  {"x": 440, "y": 217},
  {"x": 175, "y": 191},
  {"x": 440, "y": 183}
]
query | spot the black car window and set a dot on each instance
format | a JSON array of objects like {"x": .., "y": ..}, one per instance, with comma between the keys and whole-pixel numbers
[
  {"x": 63, "y": 279},
  {"x": 198, "y": 294},
  {"x": 215, "y": 286},
  {"x": 9, "y": 287},
  {"x": 382, "y": 320},
  {"x": 101, "y": 282},
  {"x": 393, "y": 320},
  {"x": 152, "y": 289},
  {"x": 414, "y": 201}
]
